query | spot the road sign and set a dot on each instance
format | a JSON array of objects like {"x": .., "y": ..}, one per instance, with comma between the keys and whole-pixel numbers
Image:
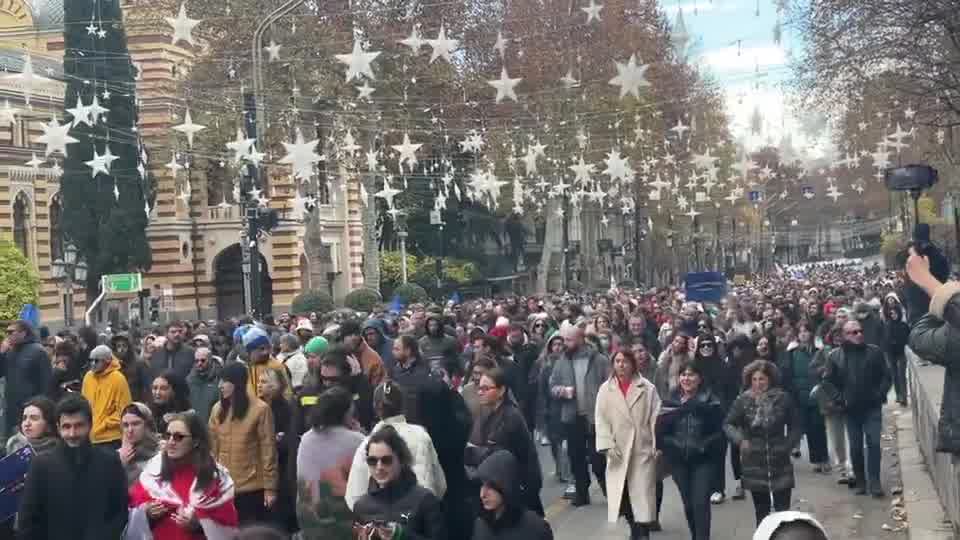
[{"x": 122, "y": 283}]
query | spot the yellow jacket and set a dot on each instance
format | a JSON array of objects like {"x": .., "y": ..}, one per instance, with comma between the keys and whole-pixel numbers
[
  {"x": 246, "y": 447},
  {"x": 108, "y": 394}
]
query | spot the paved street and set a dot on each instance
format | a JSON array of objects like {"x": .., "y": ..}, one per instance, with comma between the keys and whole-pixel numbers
[{"x": 844, "y": 515}]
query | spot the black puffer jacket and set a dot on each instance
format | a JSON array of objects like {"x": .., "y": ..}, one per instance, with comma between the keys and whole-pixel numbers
[
  {"x": 933, "y": 338},
  {"x": 404, "y": 502},
  {"x": 691, "y": 431},
  {"x": 500, "y": 471}
]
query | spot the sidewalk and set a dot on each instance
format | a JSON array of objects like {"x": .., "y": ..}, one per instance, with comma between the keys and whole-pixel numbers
[{"x": 843, "y": 514}]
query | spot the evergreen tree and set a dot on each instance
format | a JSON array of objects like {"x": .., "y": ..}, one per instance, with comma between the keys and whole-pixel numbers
[{"x": 104, "y": 216}]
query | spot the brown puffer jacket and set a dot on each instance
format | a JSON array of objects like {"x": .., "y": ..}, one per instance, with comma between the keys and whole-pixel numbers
[{"x": 247, "y": 447}]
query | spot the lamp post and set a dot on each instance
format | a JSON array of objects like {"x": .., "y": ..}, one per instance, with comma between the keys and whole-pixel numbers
[
  {"x": 400, "y": 221},
  {"x": 69, "y": 270}
]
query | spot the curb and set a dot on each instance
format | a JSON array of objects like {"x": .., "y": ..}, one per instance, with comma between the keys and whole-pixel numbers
[{"x": 926, "y": 516}]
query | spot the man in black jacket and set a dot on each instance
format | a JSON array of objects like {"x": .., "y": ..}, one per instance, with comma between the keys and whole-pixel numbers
[
  {"x": 860, "y": 372},
  {"x": 75, "y": 491},
  {"x": 174, "y": 355},
  {"x": 27, "y": 369}
]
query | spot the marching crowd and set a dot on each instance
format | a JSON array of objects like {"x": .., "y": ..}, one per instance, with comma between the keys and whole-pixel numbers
[{"x": 425, "y": 424}]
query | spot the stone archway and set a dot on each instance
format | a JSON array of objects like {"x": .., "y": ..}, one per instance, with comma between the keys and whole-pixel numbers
[{"x": 228, "y": 282}]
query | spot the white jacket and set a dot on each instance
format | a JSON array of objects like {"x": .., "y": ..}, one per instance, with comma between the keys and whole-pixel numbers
[{"x": 426, "y": 465}]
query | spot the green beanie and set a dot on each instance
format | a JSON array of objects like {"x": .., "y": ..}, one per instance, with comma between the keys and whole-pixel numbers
[{"x": 317, "y": 345}]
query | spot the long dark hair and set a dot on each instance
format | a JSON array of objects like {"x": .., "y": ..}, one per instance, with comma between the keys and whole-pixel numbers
[
  {"x": 201, "y": 456},
  {"x": 331, "y": 408},
  {"x": 237, "y": 404},
  {"x": 388, "y": 435},
  {"x": 181, "y": 392},
  {"x": 48, "y": 410}
]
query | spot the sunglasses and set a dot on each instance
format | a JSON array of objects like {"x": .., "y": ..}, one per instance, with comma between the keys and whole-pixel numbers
[
  {"x": 387, "y": 461},
  {"x": 175, "y": 437}
]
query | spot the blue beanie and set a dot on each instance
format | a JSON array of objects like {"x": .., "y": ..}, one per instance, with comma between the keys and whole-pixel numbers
[
  {"x": 255, "y": 338},
  {"x": 239, "y": 332}
]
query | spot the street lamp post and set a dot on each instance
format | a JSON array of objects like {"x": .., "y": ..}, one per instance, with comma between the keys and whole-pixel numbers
[
  {"x": 69, "y": 271},
  {"x": 400, "y": 222}
]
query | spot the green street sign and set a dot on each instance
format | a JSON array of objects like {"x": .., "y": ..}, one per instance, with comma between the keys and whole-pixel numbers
[{"x": 122, "y": 283}]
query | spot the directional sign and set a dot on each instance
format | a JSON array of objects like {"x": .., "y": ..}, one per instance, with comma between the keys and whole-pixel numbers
[{"x": 122, "y": 283}]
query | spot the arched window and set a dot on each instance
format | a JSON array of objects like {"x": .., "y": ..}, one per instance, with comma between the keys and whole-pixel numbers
[
  {"x": 56, "y": 230},
  {"x": 21, "y": 223}
]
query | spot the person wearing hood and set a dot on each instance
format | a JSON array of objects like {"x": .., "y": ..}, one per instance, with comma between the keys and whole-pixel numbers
[
  {"x": 203, "y": 382},
  {"x": 106, "y": 389},
  {"x": 896, "y": 335},
  {"x": 375, "y": 334},
  {"x": 25, "y": 366},
  {"x": 259, "y": 348},
  {"x": 436, "y": 345},
  {"x": 503, "y": 514},
  {"x": 140, "y": 440},
  {"x": 135, "y": 370},
  {"x": 363, "y": 358},
  {"x": 502, "y": 426}
]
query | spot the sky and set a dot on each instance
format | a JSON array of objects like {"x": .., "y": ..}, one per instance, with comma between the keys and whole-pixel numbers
[{"x": 733, "y": 41}]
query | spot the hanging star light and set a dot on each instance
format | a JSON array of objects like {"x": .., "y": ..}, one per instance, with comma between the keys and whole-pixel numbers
[
  {"x": 501, "y": 45},
  {"x": 414, "y": 41},
  {"x": 302, "y": 156},
  {"x": 174, "y": 166},
  {"x": 349, "y": 146},
  {"x": 182, "y": 26},
  {"x": 97, "y": 110},
  {"x": 630, "y": 77},
  {"x": 273, "y": 50},
  {"x": 407, "y": 151},
  {"x": 56, "y": 137},
  {"x": 373, "y": 160},
  {"x": 704, "y": 160},
  {"x": 618, "y": 168},
  {"x": 240, "y": 146},
  {"x": 592, "y": 11},
  {"x": 35, "y": 162},
  {"x": 365, "y": 91},
  {"x": 680, "y": 128},
  {"x": 358, "y": 62},
  {"x": 834, "y": 193},
  {"x": 27, "y": 78},
  {"x": 583, "y": 171},
  {"x": 80, "y": 113},
  {"x": 188, "y": 128},
  {"x": 506, "y": 87},
  {"x": 442, "y": 45},
  {"x": 387, "y": 193}
]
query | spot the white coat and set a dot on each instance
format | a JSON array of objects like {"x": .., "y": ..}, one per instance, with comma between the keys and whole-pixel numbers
[{"x": 628, "y": 424}]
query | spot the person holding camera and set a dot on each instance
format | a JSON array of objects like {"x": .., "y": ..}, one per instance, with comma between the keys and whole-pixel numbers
[
  {"x": 396, "y": 507},
  {"x": 932, "y": 338}
]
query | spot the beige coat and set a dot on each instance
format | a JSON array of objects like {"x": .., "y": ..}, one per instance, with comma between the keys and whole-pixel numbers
[
  {"x": 247, "y": 448},
  {"x": 628, "y": 424}
]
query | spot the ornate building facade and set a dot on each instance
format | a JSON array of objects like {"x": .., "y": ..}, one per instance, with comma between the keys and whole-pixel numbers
[{"x": 197, "y": 269}]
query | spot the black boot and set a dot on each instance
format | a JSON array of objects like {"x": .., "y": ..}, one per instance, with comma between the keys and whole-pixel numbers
[{"x": 639, "y": 531}]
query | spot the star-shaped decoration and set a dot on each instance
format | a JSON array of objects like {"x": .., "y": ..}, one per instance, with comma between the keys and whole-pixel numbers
[
  {"x": 858, "y": 187},
  {"x": 630, "y": 77},
  {"x": 358, "y": 62},
  {"x": 92, "y": 28},
  {"x": 27, "y": 78},
  {"x": 604, "y": 221},
  {"x": 35, "y": 162},
  {"x": 862, "y": 126},
  {"x": 617, "y": 167},
  {"x": 350, "y": 146},
  {"x": 909, "y": 113},
  {"x": 897, "y": 138},
  {"x": 302, "y": 156},
  {"x": 414, "y": 41},
  {"x": 387, "y": 193},
  {"x": 692, "y": 213},
  {"x": 108, "y": 157},
  {"x": 365, "y": 91},
  {"x": 680, "y": 128},
  {"x": 834, "y": 193},
  {"x": 102, "y": 34},
  {"x": 188, "y": 128},
  {"x": 506, "y": 87},
  {"x": 704, "y": 160},
  {"x": 373, "y": 161},
  {"x": 592, "y": 11},
  {"x": 240, "y": 146},
  {"x": 97, "y": 110},
  {"x": 407, "y": 151},
  {"x": 560, "y": 212},
  {"x": 56, "y": 137},
  {"x": 583, "y": 171},
  {"x": 732, "y": 198},
  {"x": 442, "y": 45},
  {"x": 659, "y": 184},
  {"x": 174, "y": 165},
  {"x": 273, "y": 50},
  {"x": 182, "y": 26},
  {"x": 79, "y": 112}
]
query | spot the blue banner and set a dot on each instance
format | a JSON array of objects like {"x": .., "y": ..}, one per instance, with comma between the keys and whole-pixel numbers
[
  {"x": 31, "y": 314},
  {"x": 705, "y": 286},
  {"x": 13, "y": 474}
]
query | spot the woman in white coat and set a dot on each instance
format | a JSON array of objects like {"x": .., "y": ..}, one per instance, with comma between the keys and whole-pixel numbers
[{"x": 627, "y": 409}]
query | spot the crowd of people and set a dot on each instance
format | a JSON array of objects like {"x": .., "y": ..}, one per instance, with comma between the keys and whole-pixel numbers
[{"x": 426, "y": 424}]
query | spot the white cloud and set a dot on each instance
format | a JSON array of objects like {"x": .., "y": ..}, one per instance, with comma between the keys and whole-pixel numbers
[{"x": 735, "y": 58}]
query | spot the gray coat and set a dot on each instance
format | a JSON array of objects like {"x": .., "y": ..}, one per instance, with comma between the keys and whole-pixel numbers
[
  {"x": 563, "y": 375},
  {"x": 936, "y": 337},
  {"x": 28, "y": 372}
]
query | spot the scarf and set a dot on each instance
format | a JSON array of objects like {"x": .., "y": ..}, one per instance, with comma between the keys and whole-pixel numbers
[{"x": 213, "y": 506}]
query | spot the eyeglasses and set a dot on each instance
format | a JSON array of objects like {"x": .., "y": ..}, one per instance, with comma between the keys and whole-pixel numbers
[
  {"x": 387, "y": 461},
  {"x": 706, "y": 346},
  {"x": 175, "y": 437}
]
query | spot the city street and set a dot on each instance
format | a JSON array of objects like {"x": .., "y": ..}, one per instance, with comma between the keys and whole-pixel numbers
[{"x": 845, "y": 515}]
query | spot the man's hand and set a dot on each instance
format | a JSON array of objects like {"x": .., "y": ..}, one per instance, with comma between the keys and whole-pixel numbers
[
  {"x": 918, "y": 269},
  {"x": 126, "y": 454}
]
